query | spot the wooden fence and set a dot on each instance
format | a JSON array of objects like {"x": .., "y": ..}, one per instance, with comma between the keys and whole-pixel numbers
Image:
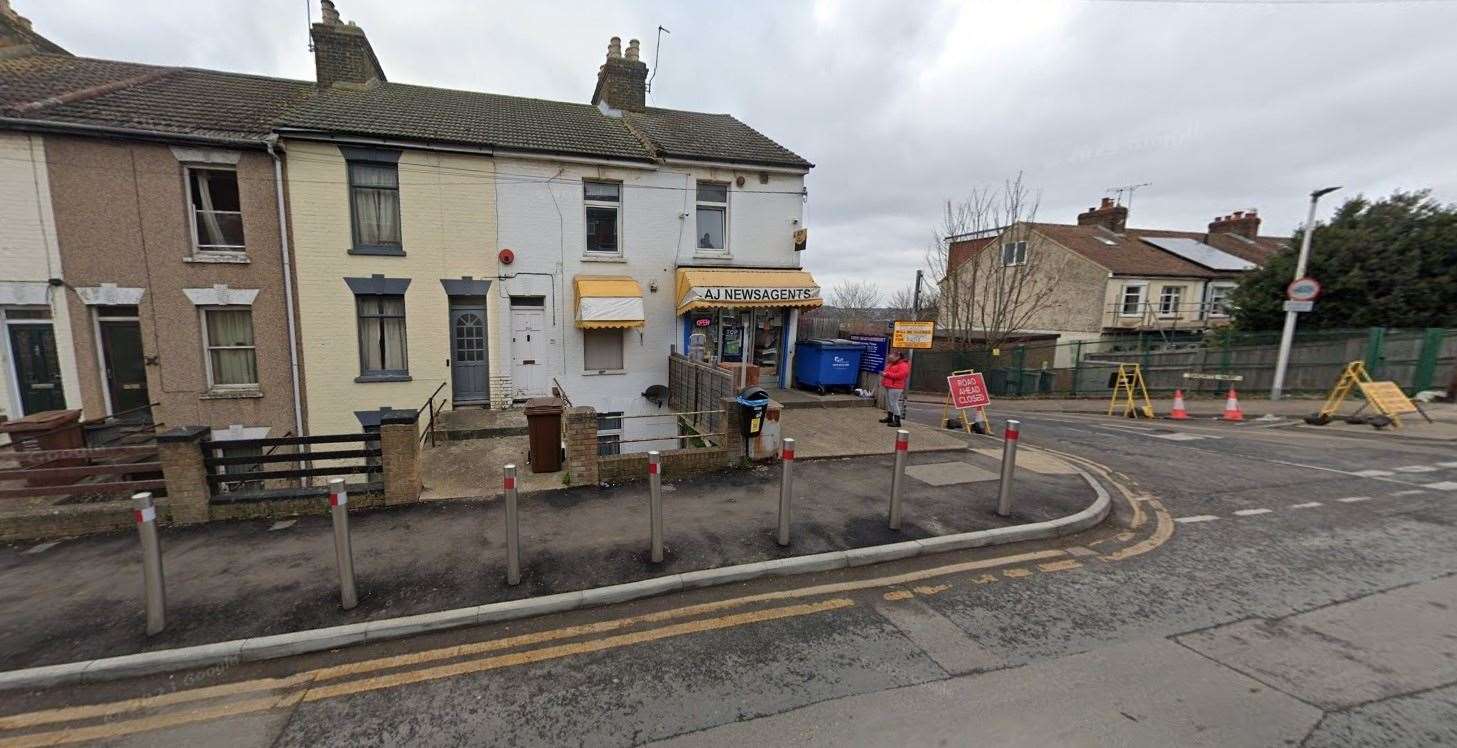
[{"x": 290, "y": 483}]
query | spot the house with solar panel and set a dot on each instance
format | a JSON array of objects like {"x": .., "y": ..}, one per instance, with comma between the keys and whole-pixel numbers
[{"x": 1100, "y": 280}]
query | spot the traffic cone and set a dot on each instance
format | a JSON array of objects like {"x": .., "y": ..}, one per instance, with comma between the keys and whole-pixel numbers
[
  {"x": 1178, "y": 413},
  {"x": 1231, "y": 407}
]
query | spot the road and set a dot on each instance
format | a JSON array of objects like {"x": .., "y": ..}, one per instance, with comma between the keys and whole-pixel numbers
[{"x": 1258, "y": 586}]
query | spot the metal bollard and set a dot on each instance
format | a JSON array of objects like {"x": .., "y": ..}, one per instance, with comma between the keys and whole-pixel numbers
[
  {"x": 786, "y": 489},
  {"x": 1009, "y": 464},
  {"x": 513, "y": 530},
  {"x": 154, "y": 591},
  {"x": 343, "y": 548},
  {"x": 655, "y": 502},
  {"x": 898, "y": 478}
]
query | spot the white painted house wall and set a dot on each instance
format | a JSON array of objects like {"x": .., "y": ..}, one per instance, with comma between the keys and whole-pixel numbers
[
  {"x": 29, "y": 255},
  {"x": 542, "y": 220}
]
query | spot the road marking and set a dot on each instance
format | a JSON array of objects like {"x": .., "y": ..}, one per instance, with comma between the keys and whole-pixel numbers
[
  {"x": 1445, "y": 485},
  {"x": 1447, "y": 464},
  {"x": 1183, "y": 437},
  {"x": 1416, "y": 469},
  {"x": 984, "y": 579},
  {"x": 1016, "y": 573},
  {"x": 1250, "y": 512},
  {"x": 1408, "y": 492},
  {"x": 1067, "y": 565},
  {"x": 43, "y": 547},
  {"x": 1353, "y": 499},
  {"x": 1195, "y": 518},
  {"x": 1306, "y": 505},
  {"x": 928, "y": 591},
  {"x": 283, "y": 524},
  {"x": 899, "y": 595},
  {"x": 1078, "y": 550},
  {"x": 1371, "y": 473}
]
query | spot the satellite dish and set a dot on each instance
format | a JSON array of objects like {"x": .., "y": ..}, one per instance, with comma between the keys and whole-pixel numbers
[{"x": 657, "y": 394}]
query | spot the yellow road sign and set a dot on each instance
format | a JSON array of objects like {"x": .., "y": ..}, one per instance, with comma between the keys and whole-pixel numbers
[
  {"x": 1387, "y": 397},
  {"x": 912, "y": 334}
]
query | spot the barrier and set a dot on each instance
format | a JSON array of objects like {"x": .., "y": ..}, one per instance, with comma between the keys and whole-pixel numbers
[
  {"x": 513, "y": 528},
  {"x": 154, "y": 590},
  {"x": 343, "y": 547},
  {"x": 1011, "y": 435},
  {"x": 655, "y": 504},
  {"x": 898, "y": 478},
  {"x": 786, "y": 489}
]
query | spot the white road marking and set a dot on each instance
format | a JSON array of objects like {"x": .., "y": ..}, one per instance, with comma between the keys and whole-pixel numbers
[
  {"x": 1353, "y": 499},
  {"x": 1416, "y": 469},
  {"x": 282, "y": 524},
  {"x": 1408, "y": 492},
  {"x": 1250, "y": 512},
  {"x": 1445, "y": 485},
  {"x": 43, "y": 547},
  {"x": 1183, "y": 437},
  {"x": 1447, "y": 464},
  {"x": 1196, "y": 518},
  {"x": 1372, "y": 473},
  {"x": 1306, "y": 505}
]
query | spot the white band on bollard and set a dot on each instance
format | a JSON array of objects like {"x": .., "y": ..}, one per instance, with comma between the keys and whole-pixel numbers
[{"x": 146, "y": 515}]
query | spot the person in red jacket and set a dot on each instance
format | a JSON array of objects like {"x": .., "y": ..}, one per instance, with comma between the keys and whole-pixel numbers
[{"x": 893, "y": 381}]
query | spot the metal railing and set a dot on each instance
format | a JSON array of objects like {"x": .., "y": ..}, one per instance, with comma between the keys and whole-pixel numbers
[{"x": 430, "y": 421}]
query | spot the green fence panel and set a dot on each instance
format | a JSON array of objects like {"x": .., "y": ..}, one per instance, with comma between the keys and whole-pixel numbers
[{"x": 1432, "y": 340}]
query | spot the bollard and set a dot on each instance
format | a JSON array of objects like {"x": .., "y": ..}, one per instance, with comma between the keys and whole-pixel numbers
[
  {"x": 786, "y": 489},
  {"x": 655, "y": 502},
  {"x": 1009, "y": 464},
  {"x": 898, "y": 479},
  {"x": 153, "y": 590},
  {"x": 343, "y": 548},
  {"x": 513, "y": 530}
]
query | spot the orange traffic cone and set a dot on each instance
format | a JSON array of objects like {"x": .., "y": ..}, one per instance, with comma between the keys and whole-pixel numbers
[
  {"x": 1178, "y": 413},
  {"x": 1231, "y": 407}
]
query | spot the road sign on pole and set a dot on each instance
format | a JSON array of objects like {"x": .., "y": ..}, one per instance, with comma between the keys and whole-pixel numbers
[
  {"x": 913, "y": 334},
  {"x": 1303, "y": 289}
]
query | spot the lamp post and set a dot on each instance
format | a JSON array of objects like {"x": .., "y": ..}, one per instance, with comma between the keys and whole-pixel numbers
[{"x": 1287, "y": 337}]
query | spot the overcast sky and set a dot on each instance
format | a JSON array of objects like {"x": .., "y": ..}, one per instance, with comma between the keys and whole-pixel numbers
[{"x": 1222, "y": 106}]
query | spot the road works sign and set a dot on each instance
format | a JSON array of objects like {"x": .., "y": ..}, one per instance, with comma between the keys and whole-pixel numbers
[
  {"x": 968, "y": 391},
  {"x": 1303, "y": 289},
  {"x": 912, "y": 334},
  {"x": 1387, "y": 397}
]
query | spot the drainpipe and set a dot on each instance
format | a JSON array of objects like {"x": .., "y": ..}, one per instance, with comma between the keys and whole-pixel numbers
[{"x": 298, "y": 413}]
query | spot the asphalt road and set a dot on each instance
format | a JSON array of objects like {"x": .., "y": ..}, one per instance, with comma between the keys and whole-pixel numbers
[{"x": 1257, "y": 586}]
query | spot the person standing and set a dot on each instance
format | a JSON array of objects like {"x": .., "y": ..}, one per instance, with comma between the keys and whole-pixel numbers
[{"x": 894, "y": 380}]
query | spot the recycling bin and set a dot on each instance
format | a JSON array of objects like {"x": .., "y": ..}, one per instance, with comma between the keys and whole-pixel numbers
[{"x": 544, "y": 434}]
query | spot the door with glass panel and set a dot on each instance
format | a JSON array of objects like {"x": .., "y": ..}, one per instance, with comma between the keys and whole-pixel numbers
[
  {"x": 468, "y": 354},
  {"x": 122, "y": 362},
  {"x": 32, "y": 342}
]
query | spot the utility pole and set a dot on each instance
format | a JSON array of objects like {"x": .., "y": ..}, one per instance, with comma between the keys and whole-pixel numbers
[
  {"x": 915, "y": 316},
  {"x": 1287, "y": 336}
]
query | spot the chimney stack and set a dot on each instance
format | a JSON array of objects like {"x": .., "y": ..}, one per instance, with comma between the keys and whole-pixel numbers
[
  {"x": 622, "y": 81},
  {"x": 341, "y": 51},
  {"x": 17, "y": 38},
  {"x": 1108, "y": 214},
  {"x": 1241, "y": 222}
]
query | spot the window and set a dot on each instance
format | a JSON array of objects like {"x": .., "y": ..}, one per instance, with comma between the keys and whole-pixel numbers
[
  {"x": 609, "y": 433},
  {"x": 712, "y": 216},
  {"x": 1014, "y": 253},
  {"x": 382, "y": 336},
  {"x": 602, "y": 350},
  {"x": 232, "y": 360},
  {"x": 1132, "y": 303},
  {"x": 609, "y": 421},
  {"x": 1219, "y": 299},
  {"x": 603, "y": 200},
  {"x": 241, "y": 469},
  {"x": 374, "y": 201},
  {"x": 609, "y": 444},
  {"x": 1169, "y": 300},
  {"x": 217, "y": 211}
]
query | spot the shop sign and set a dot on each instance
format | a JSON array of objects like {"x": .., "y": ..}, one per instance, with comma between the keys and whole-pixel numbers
[{"x": 733, "y": 294}]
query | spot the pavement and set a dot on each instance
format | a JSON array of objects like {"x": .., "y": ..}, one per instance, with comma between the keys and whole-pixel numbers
[
  {"x": 849, "y": 432},
  {"x": 1256, "y": 586}
]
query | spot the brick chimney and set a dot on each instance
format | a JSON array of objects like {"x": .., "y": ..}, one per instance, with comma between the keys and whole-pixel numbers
[
  {"x": 18, "y": 38},
  {"x": 622, "y": 81},
  {"x": 341, "y": 51},
  {"x": 1243, "y": 223},
  {"x": 1108, "y": 215}
]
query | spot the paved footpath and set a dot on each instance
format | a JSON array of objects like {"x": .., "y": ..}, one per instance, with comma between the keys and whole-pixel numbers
[{"x": 1316, "y": 621}]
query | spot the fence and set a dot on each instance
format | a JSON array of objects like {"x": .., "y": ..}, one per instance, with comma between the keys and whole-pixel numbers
[
  {"x": 1416, "y": 359},
  {"x": 81, "y": 475},
  {"x": 227, "y": 482},
  {"x": 697, "y": 389}
]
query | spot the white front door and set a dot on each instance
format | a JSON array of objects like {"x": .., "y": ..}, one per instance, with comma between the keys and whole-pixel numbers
[{"x": 530, "y": 373}]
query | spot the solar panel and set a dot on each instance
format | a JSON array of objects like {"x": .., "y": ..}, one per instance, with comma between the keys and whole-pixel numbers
[{"x": 1198, "y": 252}]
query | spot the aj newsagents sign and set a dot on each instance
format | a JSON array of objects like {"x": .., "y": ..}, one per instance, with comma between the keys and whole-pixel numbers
[{"x": 737, "y": 294}]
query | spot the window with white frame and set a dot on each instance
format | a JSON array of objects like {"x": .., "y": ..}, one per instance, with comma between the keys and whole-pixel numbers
[
  {"x": 604, "y": 230},
  {"x": 1219, "y": 299},
  {"x": 232, "y": 359},
  {"x": 1014, "y": 253},
  {"x": 713, "y": 216},
  {"x": 602, "y": 350},
  {"x": 216, "y": 209},
  {"x": 1131, "y": 305},
  {"x": 609, "y": 433},
  {"x": 1169, "y": 300}
]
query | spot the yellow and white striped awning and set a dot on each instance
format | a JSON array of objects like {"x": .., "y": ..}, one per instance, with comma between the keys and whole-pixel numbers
[
  {"x": 608, "y": 301},
  {"x": 704, "y": 288}
]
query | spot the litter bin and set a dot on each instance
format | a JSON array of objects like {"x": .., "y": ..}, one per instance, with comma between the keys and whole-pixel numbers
[
  {"x": 544, "y": 434},
  {"x": 823, "y": 365},
  {"x": 753, "y": 401}
]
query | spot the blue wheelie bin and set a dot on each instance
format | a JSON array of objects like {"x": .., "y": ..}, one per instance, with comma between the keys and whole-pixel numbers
[{"x": 823, "y": 365}]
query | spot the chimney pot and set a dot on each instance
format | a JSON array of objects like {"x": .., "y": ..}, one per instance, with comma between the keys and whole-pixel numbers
[
  {"x": 614, "y": 47},
  {"x": 622, "y": 81},
  {"x": 632, "y": 50},
  {"x": 1107, "y": 203},
  {"x": 1239, "y": 214},
  {"x": 329, "y": 12}
]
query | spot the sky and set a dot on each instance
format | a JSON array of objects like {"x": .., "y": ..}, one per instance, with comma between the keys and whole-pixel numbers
[{"x": 902, "y": 106}]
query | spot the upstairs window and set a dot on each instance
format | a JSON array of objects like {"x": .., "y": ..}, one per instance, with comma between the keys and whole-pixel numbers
[
  {"x": 216, "y": 209},
  {"x": 712, "y": 216},
  {"x": 604, "y": 201},
  {"x": 1170, "y": 298},
  {"x": 1132, "y": 302},
  {"x": 374, "y": 201},
  {"x": 1219, "y": 299},
  {"x": 1014, "y": 253}
]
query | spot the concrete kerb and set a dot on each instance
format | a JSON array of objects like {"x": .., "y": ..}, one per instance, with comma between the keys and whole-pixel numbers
[{"x": 318, "y": 640}]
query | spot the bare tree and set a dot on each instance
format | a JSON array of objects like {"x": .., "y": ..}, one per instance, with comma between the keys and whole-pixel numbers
[
  {"x": 903, "y": 302},
  {"x": 854, "y": 298},
  {"x": 1001, "y": 280}
]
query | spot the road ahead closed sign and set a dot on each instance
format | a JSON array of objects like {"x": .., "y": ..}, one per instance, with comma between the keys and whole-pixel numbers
[
  {"x": 968, "y": 391},
  {"x": 913, "y": 334}
]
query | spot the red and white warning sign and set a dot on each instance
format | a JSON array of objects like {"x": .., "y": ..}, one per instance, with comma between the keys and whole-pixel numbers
[{"x": 968, "y": 391}]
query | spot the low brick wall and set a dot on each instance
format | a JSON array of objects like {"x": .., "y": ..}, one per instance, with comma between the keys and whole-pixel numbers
[{"x": 677, "y": 463}]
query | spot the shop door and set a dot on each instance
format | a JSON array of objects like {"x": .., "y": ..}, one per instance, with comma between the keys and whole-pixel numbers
[
  {"x": 126, "y": 376},
  {"x": 468, "y": 355},
  {"x": 37, "y": 372},
  {"x": 529, "y": 371}
]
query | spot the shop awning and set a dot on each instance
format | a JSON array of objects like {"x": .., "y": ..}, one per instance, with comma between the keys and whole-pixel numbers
[
  {"x": 700, "y": 288},
  {"x": 608, "y": 301}
]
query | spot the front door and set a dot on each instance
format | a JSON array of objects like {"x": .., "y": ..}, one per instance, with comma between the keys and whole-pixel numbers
[
  {"x": 468, "y": 355},
  {"x": 529, "y": 371},
  {"x": 37, "y": 372},
  {"x": 121, "y": 353}
]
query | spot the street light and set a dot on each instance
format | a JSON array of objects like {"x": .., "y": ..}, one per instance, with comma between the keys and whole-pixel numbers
[{"x": 1287, "y": 337}]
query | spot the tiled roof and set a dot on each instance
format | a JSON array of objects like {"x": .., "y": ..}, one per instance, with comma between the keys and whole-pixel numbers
[
  {"x": 37, "y": 77},
  {"x": 710, "y": 137},
  {"x": 1127, "y": 254}
]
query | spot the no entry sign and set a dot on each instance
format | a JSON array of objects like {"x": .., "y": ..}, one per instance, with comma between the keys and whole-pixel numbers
[{"x": 968, "y": 391}]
